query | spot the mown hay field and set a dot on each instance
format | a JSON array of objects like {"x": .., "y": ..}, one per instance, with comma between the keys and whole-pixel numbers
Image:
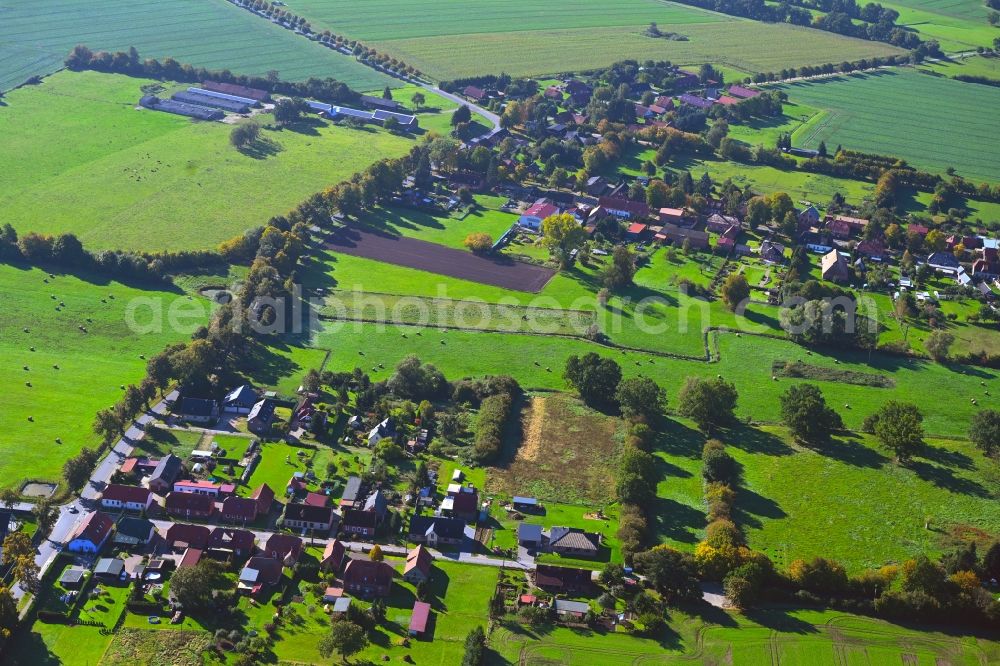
[
  {"x": 36, "y": 36},
  {"x": 932, "y": 122},
  {"x": 447, "y": 39},
  {"x": 59, "y": 375},
  {"x": 78, "y": 156}
]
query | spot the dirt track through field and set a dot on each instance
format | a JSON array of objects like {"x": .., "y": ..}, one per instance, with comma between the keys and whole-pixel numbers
[
  {"x": 533, "y": 430},
  {"x": 442, "y": 260}
]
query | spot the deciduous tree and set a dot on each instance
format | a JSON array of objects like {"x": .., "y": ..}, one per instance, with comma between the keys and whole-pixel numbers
[
  {"x": 707, "y": 402},
  {"x": 898, "y": 426},
  {"x": 805, "y": 412}
]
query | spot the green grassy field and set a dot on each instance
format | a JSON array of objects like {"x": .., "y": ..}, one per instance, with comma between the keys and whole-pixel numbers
[
  {"x": 976, "y": 65},
  {"x": 943, "y": 392},
  {"x": 936, "y": 123},
  {"x": 842, "y": 500},
  {"x": 527, "y": 38},
  {"x": 35, "y": 37},
  {"x": 958, "y": 25},
  {"x": 91, "y": 365},
  {"x": 77, "y": 156},
  {"x": 770, "y": 637}
]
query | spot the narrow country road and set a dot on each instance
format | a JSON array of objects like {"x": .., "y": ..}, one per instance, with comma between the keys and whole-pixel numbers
[
  {"x": 475, "y": 108},
  {"x": 72, "y": 511}
]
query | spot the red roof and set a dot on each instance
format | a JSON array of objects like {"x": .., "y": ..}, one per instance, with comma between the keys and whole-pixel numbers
[
  {"x": 264, "y": 496},
  {"x": 726, "y": 100},
  {"x": 636, "y": 228},
  {"x": 239, "y": 508},
  {"x": 129, "y": 465},
  {"x": 234, "y": 89},
  {"x": 627, "y": 205},
  {"x": 94, "y": 528},
  {"x": 421, "y": 614},
  {"x": 541, "y": 210},
  {"x": 334, "y": 552},
  {"x": 420, "y": 559},
  {"x": 528, "y": 598},
  {"x": 279, "y": 546},
  {"x": 122, "y": 493},
  {"x": 191, "y": 536},
  {"x": 740, "y": 91},
  {"x": 317, "y": 499},
  {"x": 186, "y": 502},
  {"x": 190, "y": 558},
  {"x": 238, "y": 540},
  {"x": 917, "y": 229}
]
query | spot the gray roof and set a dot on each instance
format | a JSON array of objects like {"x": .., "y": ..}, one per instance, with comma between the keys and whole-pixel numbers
[
  {"x": 571, "y": 537},
  {"x": 72, "y": 575},
  {"x": 565, "y": 606},
  {"x": 376, "y": 502},
  {"x": 136, "y": 528},
  {"x": 528, "y": 532},
  {"x": 167, "y": 469},
  {"x": 111, "y": 566},
  {"x": 222, "y": 95},
  {"x": 241, "y": 395},
  {"x": 263, "y": 410},
  {"x": 341, "y": 605},
  {"x": 352, "y": 489}
]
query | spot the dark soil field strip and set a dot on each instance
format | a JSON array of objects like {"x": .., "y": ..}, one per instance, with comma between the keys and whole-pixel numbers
[{"x": 435, "y": 258}]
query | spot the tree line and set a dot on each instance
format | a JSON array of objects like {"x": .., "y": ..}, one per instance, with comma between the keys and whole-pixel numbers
[
  {"x": 877, "y": 23},
  {"x": 277, "y": 12},
  {"x": 129, "y": 62},
  {"x": 67, "y": 251}
]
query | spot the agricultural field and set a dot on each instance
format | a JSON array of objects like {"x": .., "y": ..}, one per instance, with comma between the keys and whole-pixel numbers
[
  {"x": 958, "y": 25},
  {"x": 526, "y": 38},
  {"x": 35, "y": 37},
  {"x": 948, "y": 127},
  {"x": 79, "y": 157},
  {"x": 56, "y": 375}
]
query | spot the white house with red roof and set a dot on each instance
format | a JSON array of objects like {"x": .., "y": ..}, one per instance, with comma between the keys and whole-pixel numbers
[{"x": 536, "y": 212}]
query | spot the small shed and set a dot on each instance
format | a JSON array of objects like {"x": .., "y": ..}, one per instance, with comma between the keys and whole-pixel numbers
[
  {"x": 525, "y": 504},
  {"x": 421, "y": 615},
  {"x": 109, "y": 568},
  {"x": 72, "y": 578}
]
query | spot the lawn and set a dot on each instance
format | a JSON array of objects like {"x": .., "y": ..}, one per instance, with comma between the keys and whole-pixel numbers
[
  {"x": 79, "y": 157},
  {"x": 159, "y": 442},
  {"x": 529, "y": 38},
  {"x": 458, "y": 597},
  {"x": 848, "y": 500},
  {"x": 35, "y": 37},
  {"x": 434, "y": 115},
  {"x": 72, "y": 373},
  {"x": 937, "y": 123}
]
